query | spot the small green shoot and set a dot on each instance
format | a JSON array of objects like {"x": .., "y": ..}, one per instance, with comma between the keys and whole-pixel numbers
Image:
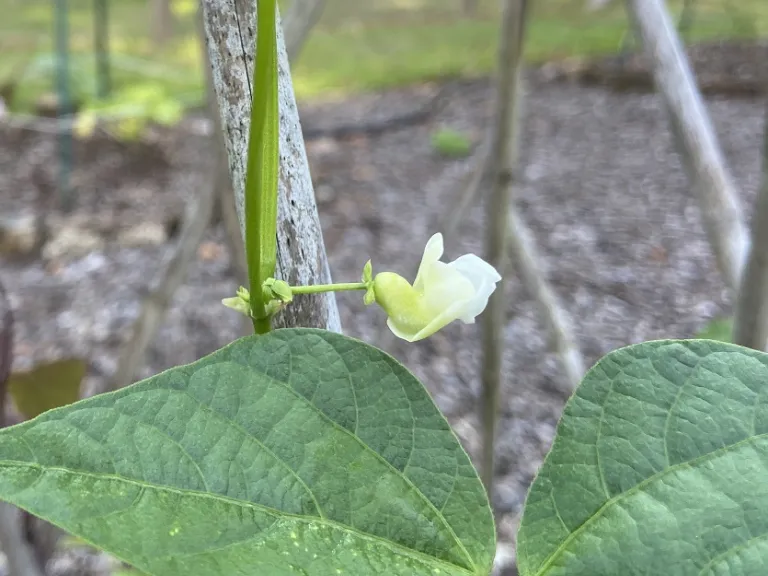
[{"x": 450, "y": 143}]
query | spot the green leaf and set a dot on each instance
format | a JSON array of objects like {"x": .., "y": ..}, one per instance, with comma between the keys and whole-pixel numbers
[
  {"x": 297, "y": 452},
  {"x": 262, "y": 164},
  {"x": 47, "y": 386},
  {"x": 720, "y": 329},
  {"x": 659, "y": 466},
  {"x": 450, "y": 143}
]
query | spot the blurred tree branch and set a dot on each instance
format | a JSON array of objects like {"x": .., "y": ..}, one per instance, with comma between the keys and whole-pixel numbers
[
  {"x": 171, "y": 275},
  {"x": 502, "y": 164},
  {"x": 173, "y": 270},
  {"x": 523, "y": 250},
  {"x": 161, "y": 20},
  {"x": 703, "y": 159},
  {"x": 563, "y": 343},
  {"x": 751, "y": 319},
  {"x": 301, "y": 18}
]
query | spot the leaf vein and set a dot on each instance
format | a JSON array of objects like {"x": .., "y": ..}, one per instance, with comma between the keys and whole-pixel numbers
[
  {"x": 376, "y": 455},
  {"x": 659, "y": 475},
  {"x": 557, "y": 510},
  {"x": 681, "y": 389},
  {"x": 247, "y": 434},
  {"x": 732, "y": 550}
]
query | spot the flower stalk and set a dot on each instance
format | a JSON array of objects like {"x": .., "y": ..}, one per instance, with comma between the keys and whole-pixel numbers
[
  {"x": 442, "y": 292},
  {"x": 319, "y": 288}
]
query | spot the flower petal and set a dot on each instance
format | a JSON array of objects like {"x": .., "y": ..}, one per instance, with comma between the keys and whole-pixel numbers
[
  {"x": 407, "y": 336},
  {"x": 453, "y": 312},
  {"x": 443, "y": 286},
  {"x": 433, "y": 251},
  {"x": 483, "y": 277}
]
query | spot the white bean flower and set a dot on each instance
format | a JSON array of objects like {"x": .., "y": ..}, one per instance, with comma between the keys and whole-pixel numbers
[{"x": 442, "y": 292}]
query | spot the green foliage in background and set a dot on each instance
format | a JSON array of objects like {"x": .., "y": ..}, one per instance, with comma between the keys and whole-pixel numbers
[
  {"x": 659, "y": 466},
  {"x": 358, "y": 46},
  {"x": 299, "y": 451},
  {"x": 451, "y": 143},
  {"x": 129, "y": 111},
  {"x": 720, "y": 329}
]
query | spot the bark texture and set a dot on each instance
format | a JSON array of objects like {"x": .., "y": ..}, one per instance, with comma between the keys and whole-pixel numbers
[{"x": 230, "y": 27}]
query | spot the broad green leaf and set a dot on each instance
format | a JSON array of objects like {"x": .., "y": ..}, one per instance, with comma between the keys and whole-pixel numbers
[
  {"x": 47, "y": 386},
  {"x": 659, "y": 466},
  {"x": 297, "y": 452}
]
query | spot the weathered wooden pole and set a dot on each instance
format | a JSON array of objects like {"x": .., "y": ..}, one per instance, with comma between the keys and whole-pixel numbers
[{"x": 230, "y": 27}]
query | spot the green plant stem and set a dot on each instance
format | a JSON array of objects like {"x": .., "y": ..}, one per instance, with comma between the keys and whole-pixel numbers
[
  {"x": 262, "y": 165},
  {"x": 318, "y": 288},
  {"x": 261, "y": 325}
]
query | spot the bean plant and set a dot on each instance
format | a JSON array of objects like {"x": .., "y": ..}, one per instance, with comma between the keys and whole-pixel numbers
[{"x": 302, "y": 451}]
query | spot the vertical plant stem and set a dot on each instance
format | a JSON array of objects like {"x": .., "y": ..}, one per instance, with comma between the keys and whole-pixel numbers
[
  {"x": 751, "y": 322},
  {"x": 63, "y": 104},
  {"x": 101, "y": 47},
  {"x": 261, "y": 174},
  {"x": 503, "y": 162}
]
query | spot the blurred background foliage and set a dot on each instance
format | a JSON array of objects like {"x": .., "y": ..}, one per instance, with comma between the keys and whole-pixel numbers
[{"x": 357, "y": 46}]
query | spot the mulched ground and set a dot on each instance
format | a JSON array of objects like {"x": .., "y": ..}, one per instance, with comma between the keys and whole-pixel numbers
[{"x": 600, "y": 186}]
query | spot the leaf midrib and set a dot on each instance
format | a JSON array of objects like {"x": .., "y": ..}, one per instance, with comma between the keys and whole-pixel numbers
[
  {"x": 688, "y": 464},
  {"x": 279, "y": 514},
  {"x": 237, "y": 426}
]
